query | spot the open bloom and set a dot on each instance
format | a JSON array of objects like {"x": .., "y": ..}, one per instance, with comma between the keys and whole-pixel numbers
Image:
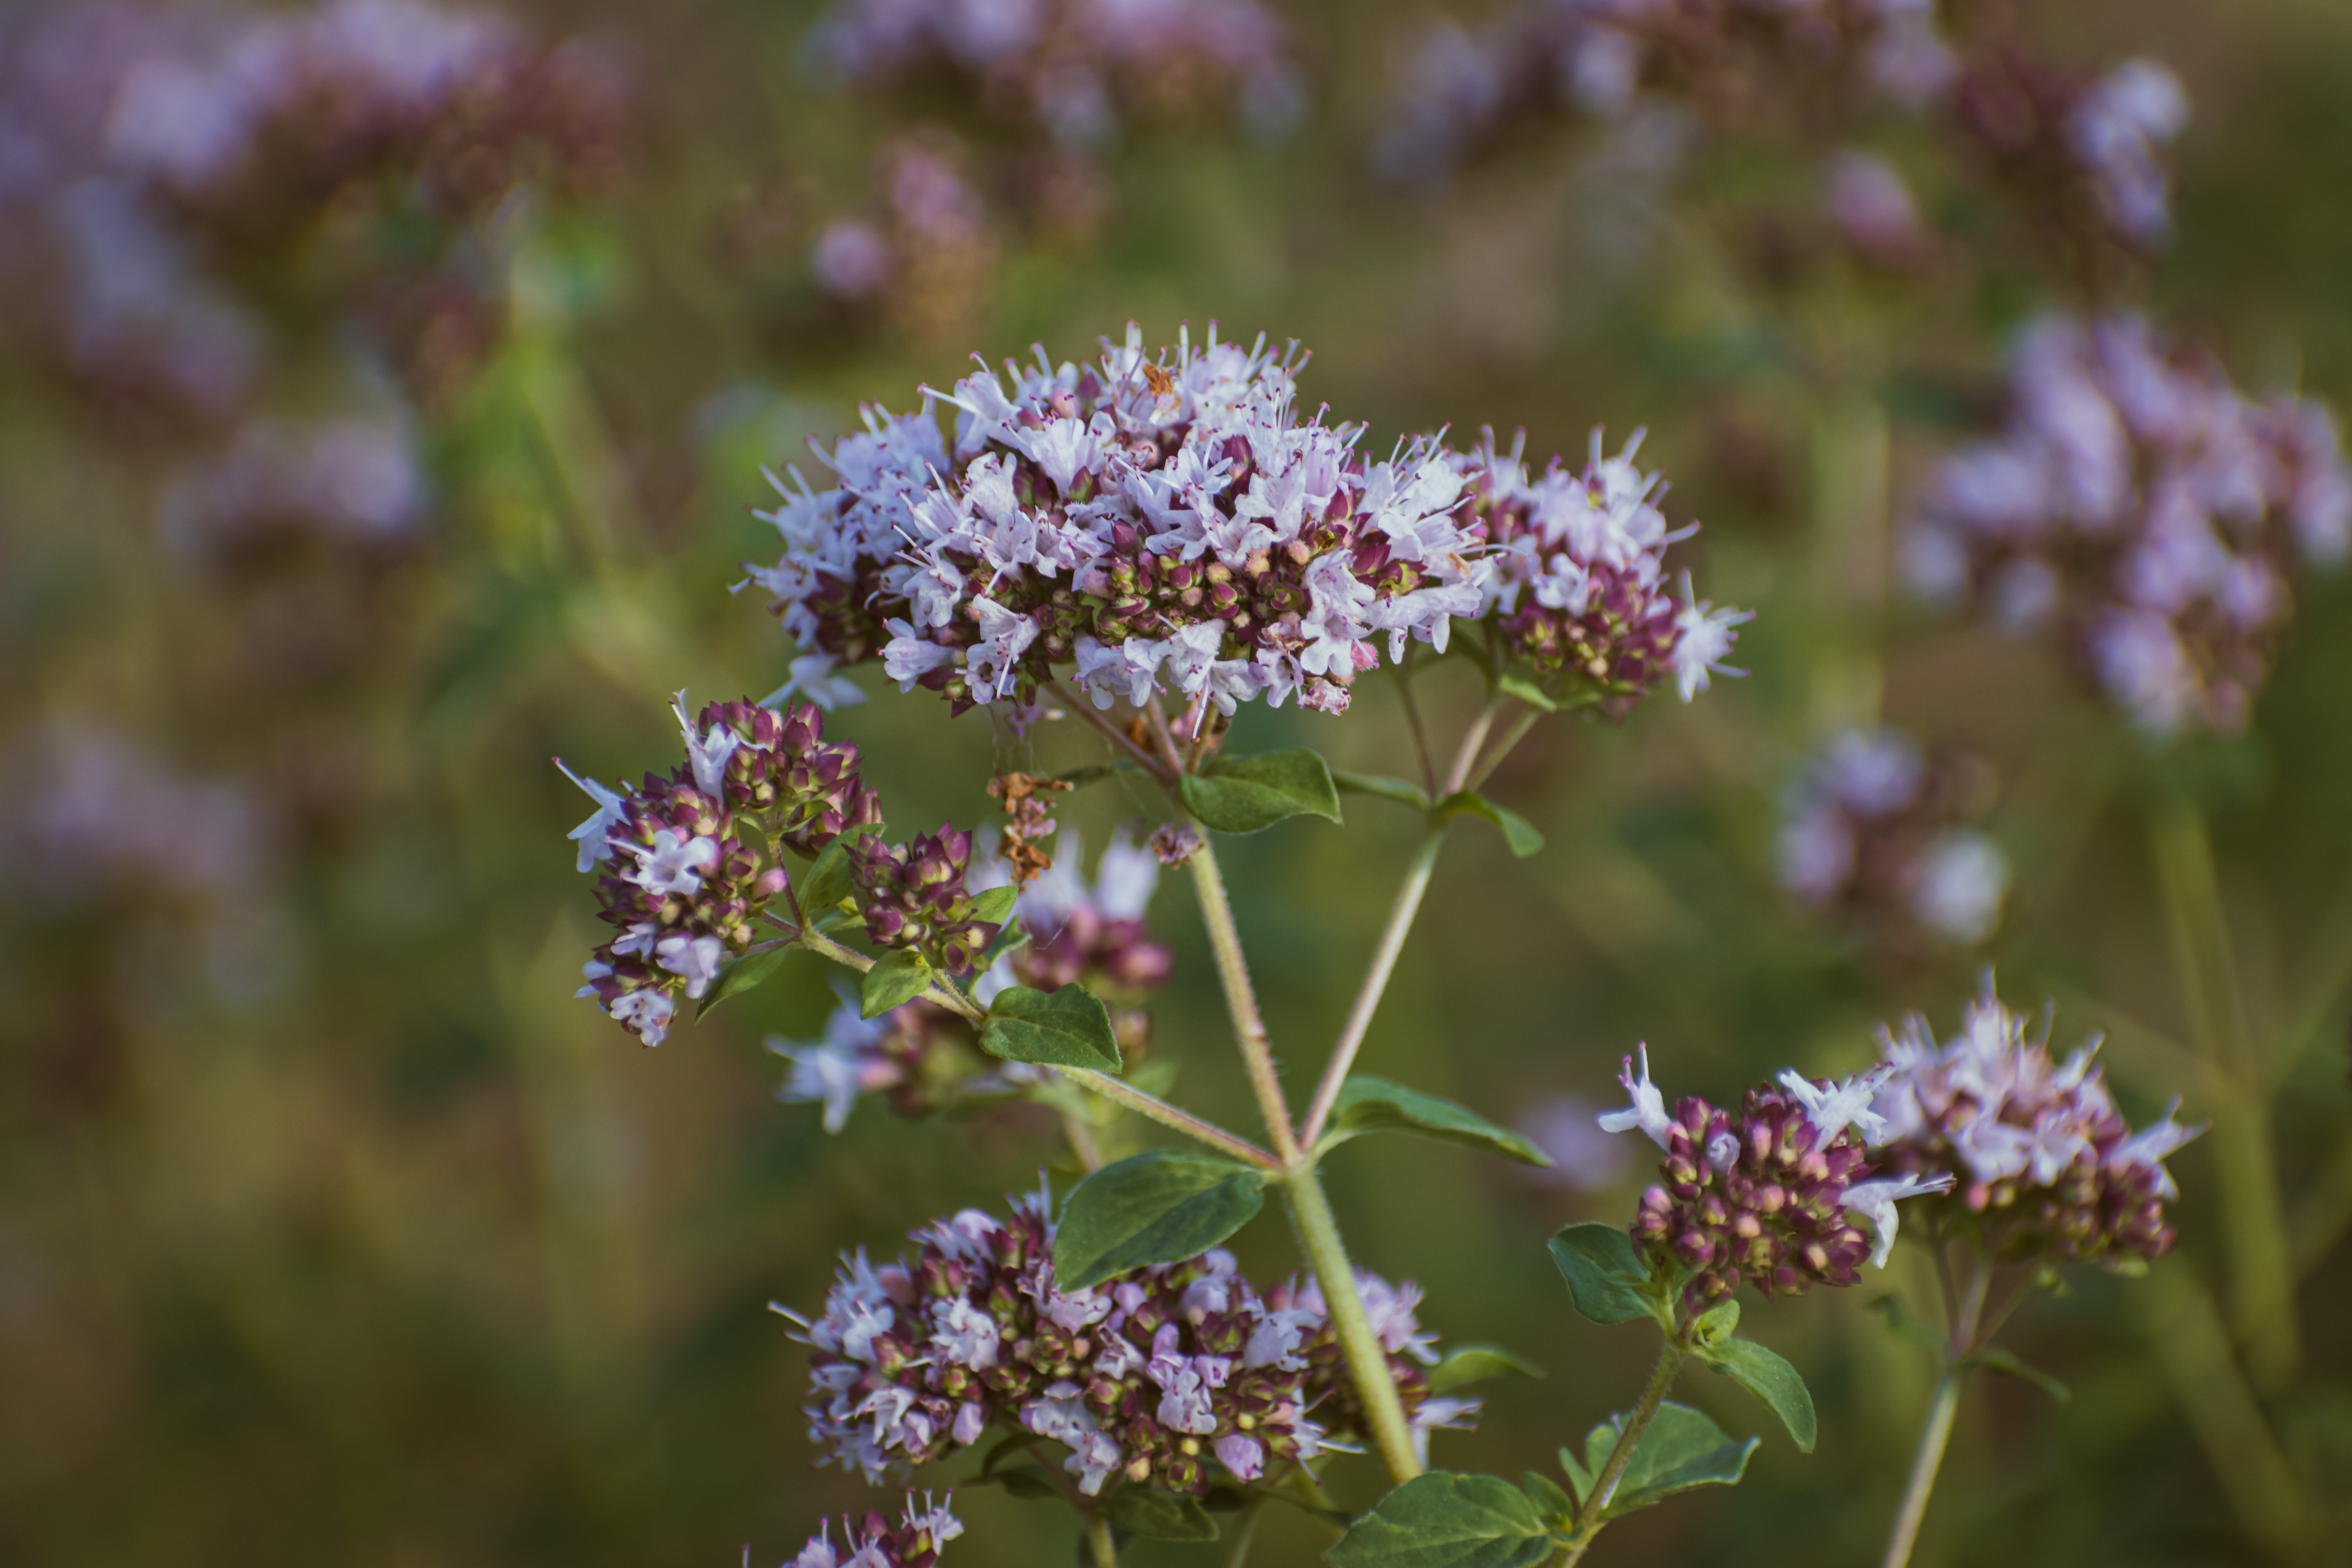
[
  {"x": 2038, "y": 1158},
  {"x": 1769, "y": 1195},
  {"x": 915, "y": 1542},
  {"x": 1151, "y": 1375}
]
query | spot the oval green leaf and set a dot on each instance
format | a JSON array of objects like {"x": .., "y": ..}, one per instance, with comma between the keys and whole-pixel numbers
[
  {"x": 994, "y": 907},
  {"x": 738, "y": 975},
  {"x": 1606, "y": 1278},
  {"x": 1446, "y": 1520},
  {"x": 1995, "y": 1359},
  {"x": 1244, "y": 794},
  {"x": 1680, "y": 1449},
  {"x": 1066, "y": 1028},
  {"x": 1466, "y": 1364},
  {"x": 1162, "y": 1206},
  {"x": 1387, "y": 788},
  {"x": 1368, "y": 1104},
  {"x": 899, "y": 975},
  {"x": 1769, "y": 1378},
  {"x": 1518, "y": 833}
]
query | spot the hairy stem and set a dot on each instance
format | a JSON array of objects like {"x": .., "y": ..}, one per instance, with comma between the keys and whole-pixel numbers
[
  {"x": 1368, "y": 1362},
  {"x": 1167, "y": 1115},
  {"x": 1082, "y": 1142},
  {"x": 1102, "y": 722},
  {"x": 1376, "y": 982},
  {"x": 1923, "y": 1465},
  {"x": 1604, "y": 1485},
  {"x": 1241, "y": 1001},
  {"x": 1102, "y": 1547},
  {"x": 2261, "y": 1274}
]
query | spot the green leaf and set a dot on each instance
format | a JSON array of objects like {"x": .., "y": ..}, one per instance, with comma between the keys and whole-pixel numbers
[
  {"x": 1078, "y": 778},
  {"x": 1368, "y": 1104},
  {"x": 1556, "y": 1507},
  {"x": 1162, "y": 1206},
  {"x": 1995, "y": 1359},
  {"x": 994, "y": 907},
  {"x": 1011, "y": 935},
  {"x": 1525, "y": 690},
  {"x": 1387, "y": 788},
  {"x": 1771, "y": 1379},
  {"x": 1069, "y": 1027},
  {"x": 1716, "y": 1324},
  {"x": 1899, "y": 1319},
  {"x": 1030, "y": 1486},
  {"x": 1606, "y": 1280},
  {"x": 740, "y": 974},
  {"x": 1446, "y": 1520},
  {"x": 822, "y": 888},
  {"x": 1161, "y": 1516},
  {"x": 899, "y": 975},
  {"x": 1680, "y": 1449},
  {"x": 1243, "y": 795},
  {"x": 1466, "y": 1364},
  {"x": 1517, "y": 831}
]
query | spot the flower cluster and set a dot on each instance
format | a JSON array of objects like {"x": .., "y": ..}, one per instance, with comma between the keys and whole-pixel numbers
[
  {"x": 684, "y": 888},
  {"x": 1768, "y": 1196},
  {"x": 163, "y": 157},
  {"x": 2144, "y": 511},
  {"x": 1574, "y": 580},
  {"x": 1151, "y": 1376},
  {"x": 1071, "y": 66},
  {"x": 923, "y": 1057},
  {"x": 915, "y": 1542},
  {"x": 1875, "y": 830},
  {"x": 1465, "y": 92},
  {"x": 2084, "y": 154},
  {"x": 923, "y": 255},
  {"x": 1149, "y": 525},
  {"x": 2039, "y": 1162}
]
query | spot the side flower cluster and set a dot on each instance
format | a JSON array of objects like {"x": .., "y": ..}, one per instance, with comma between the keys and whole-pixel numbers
[
  {"x": 2143, "y": 510},
  {"x": 1168, "y": 524},
  {"x": 2037, "y": 1161},
  {"x": 1072, "y": 67},
  {"x": 1575, "y": 579},
  {"x": 684, "y": 888},
  {"x": 915, "y": 1542},
  {"x": 1767, "y": 1196},
  {"x": 917, "y": 896},
  {"x": 1875, "y": 830},
  {"x": 922, "y": 1057},
  {"x": 1153, "y": 1377}
]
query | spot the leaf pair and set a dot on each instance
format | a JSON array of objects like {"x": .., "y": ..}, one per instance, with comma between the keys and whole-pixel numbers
[
  {"x": 1610, "y": 1283},
  {"x": 1246, "y": 795},
  {"x": 1679, "y": 1449},
  {"x": 1368, "y": 1104},
  {"x": 1517, "y": 831}
]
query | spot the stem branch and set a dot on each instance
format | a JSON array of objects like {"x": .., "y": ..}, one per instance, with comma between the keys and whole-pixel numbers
[
  {"x": 1241, "y": 1001},
  {"x": 1923, "y": 1465},
  {"x": 1376, "y": 982},
  {"x": 1167, "y": 1115},
  {"x": 1368, "y": 1364},
  {"x": 1102, "y": 1547},
  {"x": 1604, "y": 1485}
]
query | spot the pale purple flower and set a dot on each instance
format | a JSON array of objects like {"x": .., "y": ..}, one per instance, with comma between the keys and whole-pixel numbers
[
  {"x": 1649, "y": 1109},
  {"x": 611, "y": 813}
]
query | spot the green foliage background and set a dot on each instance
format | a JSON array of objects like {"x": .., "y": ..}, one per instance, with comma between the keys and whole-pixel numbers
[{"x": 392, "y": 1253}]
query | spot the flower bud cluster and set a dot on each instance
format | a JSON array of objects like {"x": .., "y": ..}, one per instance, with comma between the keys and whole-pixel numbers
[
  {"x": 923, "y": 1057},
  {"x": 1152, "y": 1377},
  {"x": 684, "y": 888},
  {"x": 1876, "y": 831},
  {"x": 1073, "y": 67},
  {"x": 1168, "y": 525},
  {"x": 1768, "y": 1196},
  {"x": 915, "y": 1542},
  {"x": 1575, "y": 581},
  {"x": 2144, "y": 511},
  {"x": 2043, "y": 1164},
  {"x": 917, "y": 896}
]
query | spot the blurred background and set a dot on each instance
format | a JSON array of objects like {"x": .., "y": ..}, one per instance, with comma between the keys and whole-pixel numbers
[{"x": 382, "y": 410}]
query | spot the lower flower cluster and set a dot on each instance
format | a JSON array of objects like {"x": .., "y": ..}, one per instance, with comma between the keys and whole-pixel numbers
[
  {"x": 2040, "y": 1160},
  {"x": 1153, "y": 1376},
  {"x": 1768, "y": 1196},
  {"x": 915, "y": 1542}
]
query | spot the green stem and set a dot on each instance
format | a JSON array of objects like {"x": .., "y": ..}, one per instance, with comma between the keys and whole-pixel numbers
[
  {"x": 1604, "y": 1485},
  {"x": 2262, "y": 1269},
  {"x": 1102, "y": 1547},
  {"x": 1368, "y": 1362},
  {"x": 1511, "y": 738},
  {"x": 1244, "y": 1531},
  {"x": 1241, "y": 1002},
  {"x": 1923, "y": 1465},
  {"x": 1376, "y": 981},
  {"x": 1094, "y": 1082}
]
